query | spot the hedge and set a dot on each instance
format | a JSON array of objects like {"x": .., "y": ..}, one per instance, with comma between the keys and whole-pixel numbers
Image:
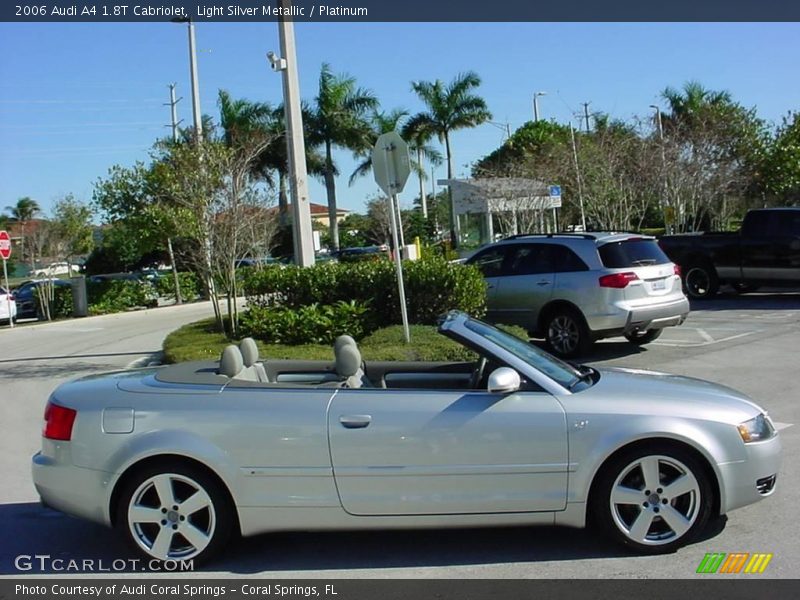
[
  {"x": 433, "y": 287},
  {"x": 189, "y": 284},
  {"x": 201, "y": 341}
]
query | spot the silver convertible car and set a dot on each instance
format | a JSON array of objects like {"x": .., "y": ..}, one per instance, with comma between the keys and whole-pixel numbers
[{"x": 182, "y": 458}]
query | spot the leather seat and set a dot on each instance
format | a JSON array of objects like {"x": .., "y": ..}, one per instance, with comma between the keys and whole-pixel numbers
[
  {"x": 349, "y": 366},
  {"x": 252, "y": 366},
  {"x": 230, "y": 362}
]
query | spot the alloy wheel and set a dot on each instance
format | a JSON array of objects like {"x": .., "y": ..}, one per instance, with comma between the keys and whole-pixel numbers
[{"x": 563, "y": 334}]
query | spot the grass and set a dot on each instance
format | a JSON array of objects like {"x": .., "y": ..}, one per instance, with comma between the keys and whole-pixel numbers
[{"x": 200, "y": 341}]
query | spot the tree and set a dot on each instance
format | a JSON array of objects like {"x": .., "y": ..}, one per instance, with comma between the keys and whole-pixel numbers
[
  {"x": 780, "y": 169},
  {"x": 449, "y": 108},
  {"x": 23, "y": 212},
  {"x": 71, "y": 228},
  {"x": 338, "y": 119},
  {"x": 381, "y": 122}
]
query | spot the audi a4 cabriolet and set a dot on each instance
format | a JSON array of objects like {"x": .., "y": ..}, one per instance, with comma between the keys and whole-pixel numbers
[{"x": 180, "y": 459}]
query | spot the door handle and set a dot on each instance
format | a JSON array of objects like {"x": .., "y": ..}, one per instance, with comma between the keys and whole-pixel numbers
[
  {"x": 543, "y": 282},
  {"x": 355, "y": 421}
]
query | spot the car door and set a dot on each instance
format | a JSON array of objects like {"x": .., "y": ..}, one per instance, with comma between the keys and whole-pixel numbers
[
  {"x": 425, "y": 452},
  {"x": 490, "y": 262},
  {"x": 526, "y": 284},
  {"x": 771, "y": 246}
]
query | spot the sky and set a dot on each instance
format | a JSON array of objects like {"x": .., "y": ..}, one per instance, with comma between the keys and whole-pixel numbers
[{"x": 77, "y": 98}]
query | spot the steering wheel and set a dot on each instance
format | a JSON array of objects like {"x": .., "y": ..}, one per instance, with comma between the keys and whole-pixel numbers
[{"x": 477, "y": 374}]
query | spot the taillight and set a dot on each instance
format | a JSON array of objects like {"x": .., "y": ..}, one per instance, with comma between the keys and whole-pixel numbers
[
  {"x": 58, "y": 421},
  {"x": 678, "y": 270},
  {"x": 617, "y": 280}
]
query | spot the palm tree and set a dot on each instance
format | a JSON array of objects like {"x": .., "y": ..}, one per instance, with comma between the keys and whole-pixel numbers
[
  {"x": 338, "y": 119},
  {"x": 688, "y": 104},
  {"x": 449, "y": 107},
  {"x": 23, "y": 212},
  {"x": 418, "y": 137},
  {"x": 381, "y": 122}
]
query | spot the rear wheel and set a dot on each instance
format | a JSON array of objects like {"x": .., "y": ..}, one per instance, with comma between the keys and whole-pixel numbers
[
  {"x": 700, "y": 281},
  {"x": 175, "y": 512},
  {"x": 653, "y": 500},
  {"x": 643, "y": 337},
  {"x": 566, "y": 333}
]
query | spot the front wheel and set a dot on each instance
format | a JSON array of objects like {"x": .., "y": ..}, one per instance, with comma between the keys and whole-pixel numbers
[
  {"x": 175, "y": 512},
  {"x": 567, "y": 334},
  {"x": 653, "y": 500},
  {"x": 643, "y": 337}
]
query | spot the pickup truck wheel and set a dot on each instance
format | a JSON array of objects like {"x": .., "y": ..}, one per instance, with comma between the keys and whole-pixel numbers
[
  {"x": 643, "y": 337},
  {"x": 701, "y": 281}
]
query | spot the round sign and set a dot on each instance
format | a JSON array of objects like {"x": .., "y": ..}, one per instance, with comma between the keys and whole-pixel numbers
[{"x": 5, "y": 245}]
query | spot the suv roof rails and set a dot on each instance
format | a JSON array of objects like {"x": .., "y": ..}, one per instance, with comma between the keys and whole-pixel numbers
[{"x": 585, "y": 236}]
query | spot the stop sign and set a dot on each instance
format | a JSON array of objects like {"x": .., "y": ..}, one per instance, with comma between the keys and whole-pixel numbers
[{"x": 5, "y": 245}]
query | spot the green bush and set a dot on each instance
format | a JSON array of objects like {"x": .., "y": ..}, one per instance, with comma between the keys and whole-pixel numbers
[
  {"x": 312, "y": 324},
  {"x": 60, "y": 307},
  {"x": 433, "y": 286},
  {"x": 119, "y": 295},
  {"x": 189, "y": 284}
]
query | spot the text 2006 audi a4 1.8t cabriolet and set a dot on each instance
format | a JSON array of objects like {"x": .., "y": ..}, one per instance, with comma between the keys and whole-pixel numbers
[{"x": 181, "y": 458}]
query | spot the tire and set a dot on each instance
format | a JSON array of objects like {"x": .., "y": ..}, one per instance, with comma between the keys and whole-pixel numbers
[
  {"x": 700, "y": 281},
  {"x": 566, "y": 333},
  {"x": 202, "y": 524},
  {"x": 643, "y": 337},
  {"x": 648, "y": 520}
]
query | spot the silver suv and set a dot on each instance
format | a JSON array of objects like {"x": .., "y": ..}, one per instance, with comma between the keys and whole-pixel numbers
[{"x": 573, "y": 289}]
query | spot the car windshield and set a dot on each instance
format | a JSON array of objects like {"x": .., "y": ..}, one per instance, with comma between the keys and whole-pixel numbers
[{"x": 562, "y": 373}]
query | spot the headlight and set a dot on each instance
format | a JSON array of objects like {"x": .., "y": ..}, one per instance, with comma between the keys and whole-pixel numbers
[{"x": 757, "y": 429}]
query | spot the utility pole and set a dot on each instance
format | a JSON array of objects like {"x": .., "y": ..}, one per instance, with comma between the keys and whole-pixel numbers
[
  {"x": 586, "y": 114},
  {"x": 577, "y": 175},
  {"x": 198, "y": 119},
  {"x": 173, "y": 105},
  {"x": 667, "y": 224},
  {"x": 536, "y": 105},
  {"x": 298, "y": 175}
]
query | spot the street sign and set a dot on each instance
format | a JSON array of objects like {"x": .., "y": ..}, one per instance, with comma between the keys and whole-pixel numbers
[
  {"x": 5, "y": 245},
  {"x": 555, "y": 196},
  {"x": 390, "y": 164}
]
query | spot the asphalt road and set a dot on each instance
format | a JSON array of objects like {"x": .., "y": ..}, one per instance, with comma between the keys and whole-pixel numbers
[{"x": 749, "y": 342}]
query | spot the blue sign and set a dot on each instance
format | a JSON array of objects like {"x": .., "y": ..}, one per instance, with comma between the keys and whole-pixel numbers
[{"x": 555, "y": 191}]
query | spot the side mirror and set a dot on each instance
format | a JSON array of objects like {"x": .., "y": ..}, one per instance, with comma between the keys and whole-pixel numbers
[{"x": 503, "y": 381}]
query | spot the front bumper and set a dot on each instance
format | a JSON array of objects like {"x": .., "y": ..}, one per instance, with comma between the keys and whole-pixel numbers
[
  {"x": 750, "y": 480},
  {"x": 73, "y": 490}
]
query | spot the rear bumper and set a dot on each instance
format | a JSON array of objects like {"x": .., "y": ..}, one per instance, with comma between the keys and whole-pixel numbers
[
  {"x": 626, "y": 318},
  {"x": 73, "y": 490}
]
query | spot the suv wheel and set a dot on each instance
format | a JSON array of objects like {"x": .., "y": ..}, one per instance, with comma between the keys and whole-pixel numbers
[
  {"x": 701, "y": 281},
  {"x": 643, "y": 337},
  {"x": 567, "y": 334}
]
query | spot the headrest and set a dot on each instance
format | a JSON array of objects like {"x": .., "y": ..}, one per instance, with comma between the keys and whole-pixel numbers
[
  {"x": 348, "y": 360},
  {"x": 249, "y": 351},
  {"x": 343, "y": 340},
  {"x": 230, "y": 363}
]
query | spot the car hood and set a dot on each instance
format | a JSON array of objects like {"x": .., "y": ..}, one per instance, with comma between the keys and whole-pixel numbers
[{"x": 673, "y": 395}]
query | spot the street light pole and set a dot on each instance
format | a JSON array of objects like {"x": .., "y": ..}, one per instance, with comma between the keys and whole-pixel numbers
[
  {"x": 295, "y": 142},
  {"x": 664, "y": 205},
  {"x": 198, "y": 119},
  {"x": 536, "y": 105}
]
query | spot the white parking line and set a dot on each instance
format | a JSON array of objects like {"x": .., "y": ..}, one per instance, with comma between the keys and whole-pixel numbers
[
  {"x": 780, "y": 426},
  {"x": 709, "y": 340},
  {"x": 705, "y": 336}
]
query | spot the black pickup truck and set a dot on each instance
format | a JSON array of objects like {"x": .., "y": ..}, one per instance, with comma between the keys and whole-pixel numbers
[{"x": 766, "y": 252}]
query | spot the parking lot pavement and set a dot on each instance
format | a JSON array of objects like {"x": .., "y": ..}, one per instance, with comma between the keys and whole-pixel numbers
[{"x": 750, "y": 343}]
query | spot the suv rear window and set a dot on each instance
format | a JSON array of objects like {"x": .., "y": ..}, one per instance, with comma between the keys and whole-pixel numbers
[{"x": 631, "y": 253}]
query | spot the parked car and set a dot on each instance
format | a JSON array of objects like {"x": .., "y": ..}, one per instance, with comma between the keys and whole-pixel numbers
[
  {"x": 26, "y": 296},
  {"x": 765, "y": 252},
  {"x": 572, "y": 289},
  {"x": 59, "y": 268},
  {"x": 358, "y": 254},
  {"x": 180, "y": 458},
  {"x": 8, "y": 306}
]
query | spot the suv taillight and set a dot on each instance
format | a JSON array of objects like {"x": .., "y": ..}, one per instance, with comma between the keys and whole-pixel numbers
[
  {"x": 58, "y": 421},
  {"x": 617, "y": 280},
  {"x": 678, "y": 270}
]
